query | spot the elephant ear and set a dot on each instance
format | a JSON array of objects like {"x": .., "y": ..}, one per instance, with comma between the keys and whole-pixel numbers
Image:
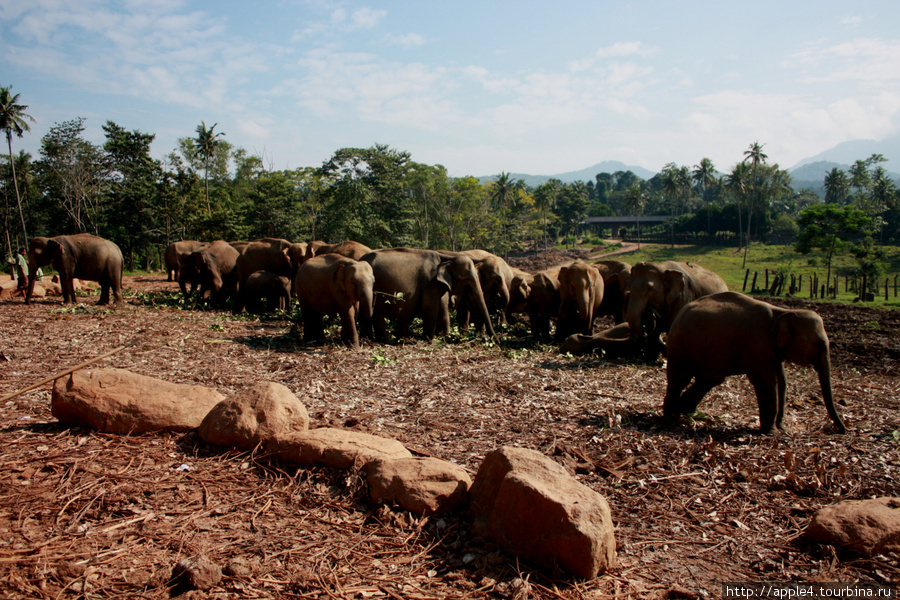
[
  {"x": 444, "y": 275},
  {"x": 55, "y": 249},
  {"x": 675, "y": 285},
  {"x": 340, "y": 278},
  {"x": 784, "y": 330}
]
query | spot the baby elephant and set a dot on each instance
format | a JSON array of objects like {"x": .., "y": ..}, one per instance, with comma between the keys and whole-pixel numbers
[
  {"x": 334, "y": 284},
  {"x": 730, "y": 334},
  {"x": 275, "y": 288}
]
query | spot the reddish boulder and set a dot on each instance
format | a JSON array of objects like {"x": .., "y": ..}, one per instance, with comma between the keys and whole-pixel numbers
[
  {"x": 253, "y": 416},
  {"x": 426, "y": 486},
  {"x": 337, "y": 448},
  {"x": 119, "y": 401},
  {"x": 531, "y": 507},
  {"x": 867, "y": 527}
]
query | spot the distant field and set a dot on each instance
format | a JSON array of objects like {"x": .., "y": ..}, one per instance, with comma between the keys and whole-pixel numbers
[{"x": 727, "y": 263}]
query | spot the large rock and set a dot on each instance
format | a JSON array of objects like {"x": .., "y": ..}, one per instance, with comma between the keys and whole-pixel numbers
[
  {"x": 531, "y": 507},
  {"x": 253, "y": 416},
  {"x": 865, "y": 526},
  {"x": 337, "y": 448},
  {"x": 119, "y": 401},
  {"x": 427, "y": 486}
]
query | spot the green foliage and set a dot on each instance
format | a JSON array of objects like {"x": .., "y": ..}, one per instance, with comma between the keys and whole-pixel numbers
[{"x": 828, "y": 228}]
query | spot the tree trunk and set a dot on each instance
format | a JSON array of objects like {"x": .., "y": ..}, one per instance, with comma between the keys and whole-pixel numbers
[{"x": 12, "y": 165}]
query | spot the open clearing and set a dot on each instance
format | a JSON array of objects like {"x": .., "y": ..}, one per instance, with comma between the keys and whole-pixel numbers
[{"x": 91, "y": 515}]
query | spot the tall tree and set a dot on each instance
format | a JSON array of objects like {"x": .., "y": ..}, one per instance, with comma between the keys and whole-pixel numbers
[
  {"x": 545, "y": 197},
  {"x": 14, "y": 119},
  {"x": 737, "y": 182},
  {"x": 132, "y": 189},
  {"x": 829, "y": 228},
  {"x": 756, "y": 158},
  {"x": 635, "y": 205},
  {"x": 704, "y": 175},
  {"x": 208, "y": 147},
  {"x": 75, "y": 173},
  {"x": 837, "y": 188}
]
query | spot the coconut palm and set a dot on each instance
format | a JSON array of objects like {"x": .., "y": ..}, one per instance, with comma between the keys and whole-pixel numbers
[
  {"x": 207, "y": 148},
  {"x": 704, "y": 175},
  {"x": 837, "y": 188},
  {"x": 14, "y": 119}
]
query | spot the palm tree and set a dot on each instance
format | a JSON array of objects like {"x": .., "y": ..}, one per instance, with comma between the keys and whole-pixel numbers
[
  {"x": 207, "y": 148},
  {"x": 13, "y": 119},
  {"x": 704, "y": 175},
  {"x": 737, "y": 182},
  {"x": 836, "y": 186},
  {"x": 503, "y": 191},
  {"x": 634, "y": 203},
  {"x": 755, "y": 156}
]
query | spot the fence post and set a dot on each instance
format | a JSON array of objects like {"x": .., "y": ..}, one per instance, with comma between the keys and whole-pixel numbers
[
  {"x": 767, "y": 277},
  {"x": 753, "y": 287},
  {"x": 746, "y": 275}
]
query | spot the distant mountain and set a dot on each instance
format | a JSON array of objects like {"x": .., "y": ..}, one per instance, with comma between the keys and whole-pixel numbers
[
  {"x": 847, "y": 153},
  {"x": 588, "y": 174}
]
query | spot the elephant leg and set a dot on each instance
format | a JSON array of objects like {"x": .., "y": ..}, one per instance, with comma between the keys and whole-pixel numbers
[
  {"x": 782, "y": 391},
  {"x": 692, "y": 396},
  {"x": 677, "y": 378},
  {"x": 766, "y": 387},
  {"x": 104, "y": 293},
  {"x": 68, "y": 288},
  {"x": 444, "y": 315},
  {"x": 349, "y": 334},
  {"x": 313, "y": 325},
  {"x": 462, "y": 314},
  {"x": 379, "y": 320}
]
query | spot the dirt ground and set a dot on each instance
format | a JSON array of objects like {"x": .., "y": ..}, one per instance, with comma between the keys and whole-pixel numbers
[{"x": 89, "y": 515}]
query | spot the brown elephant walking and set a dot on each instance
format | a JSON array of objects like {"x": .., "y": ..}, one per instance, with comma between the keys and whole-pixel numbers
[
  {"x": 176, "y": 254},
  {"x": 537, "y": 295},
  {"x": 275, "y": 289},
  {"x": 79, "y": 256},
  {"x": 580, "y": 296},
  {"x": 266, "y": 254},
  {"x": 658, "y": 291},
  {"x": 411, "y": 282},
  {"x": 334, "y": 284},
  {"x": 495, "y": 277},
  {"x": 732, "y": 334}
]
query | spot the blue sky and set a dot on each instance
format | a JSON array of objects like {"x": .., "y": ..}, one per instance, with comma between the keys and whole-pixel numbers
[{"x": 479, "y": 87}]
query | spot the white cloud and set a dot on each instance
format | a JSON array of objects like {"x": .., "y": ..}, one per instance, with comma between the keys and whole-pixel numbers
[
  {"x": 870, "y": 60},
  {"x": 367, "y": 18},
  {"x": 410, "y": 40}
]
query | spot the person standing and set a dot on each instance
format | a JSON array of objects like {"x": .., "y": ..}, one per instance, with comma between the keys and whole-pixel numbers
[{"x": 20, "y": 268}]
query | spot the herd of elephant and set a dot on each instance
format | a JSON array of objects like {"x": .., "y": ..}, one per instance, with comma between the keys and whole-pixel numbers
[{"x": 711, "y": 333}]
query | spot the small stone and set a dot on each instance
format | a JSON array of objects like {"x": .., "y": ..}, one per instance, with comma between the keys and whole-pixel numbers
[{"x": 196, "y": 573}]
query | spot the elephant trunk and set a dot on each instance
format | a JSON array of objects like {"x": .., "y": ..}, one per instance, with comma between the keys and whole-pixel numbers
[
  {"x": 634, "y": 315},
  {"x": 823, "y": 368},
  {"x": 477, "y": 299},
  {"x": 585, "y": 302},
  {"x": 366, "y": 301}
]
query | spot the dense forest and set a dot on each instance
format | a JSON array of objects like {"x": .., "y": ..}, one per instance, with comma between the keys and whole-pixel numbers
[{"x": 208, "y": 189}]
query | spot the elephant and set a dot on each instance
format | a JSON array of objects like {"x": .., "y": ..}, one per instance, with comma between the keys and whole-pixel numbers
[
  {"x": 411, "y": 282},
  {"x": 580, "y": 296},
  {"x": 538, "y": 295},
  {"x": 214, "y": 267},
  {"x": 176, "y": 253},
  {"x": 82, "y": 256},
  {"x": 334, "y": 284},
  {"x": 296, "y": 253},
  {"x": 665, "y": 288},
  {"x": 616, "y": 277},
  {"x": 349, "y": 248},
  {"x": 616, "y": 342},
  {"x": 239, "y": 245},
  {"x": 266, "y": 254},
  {"x": 732, "y": 334},
  {"x": 495, "y": 277},
  {"x": 275, "y": 288}
]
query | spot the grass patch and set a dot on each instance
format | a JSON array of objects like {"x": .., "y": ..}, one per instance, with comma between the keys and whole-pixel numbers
[{"x": 727, "y": 263}]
